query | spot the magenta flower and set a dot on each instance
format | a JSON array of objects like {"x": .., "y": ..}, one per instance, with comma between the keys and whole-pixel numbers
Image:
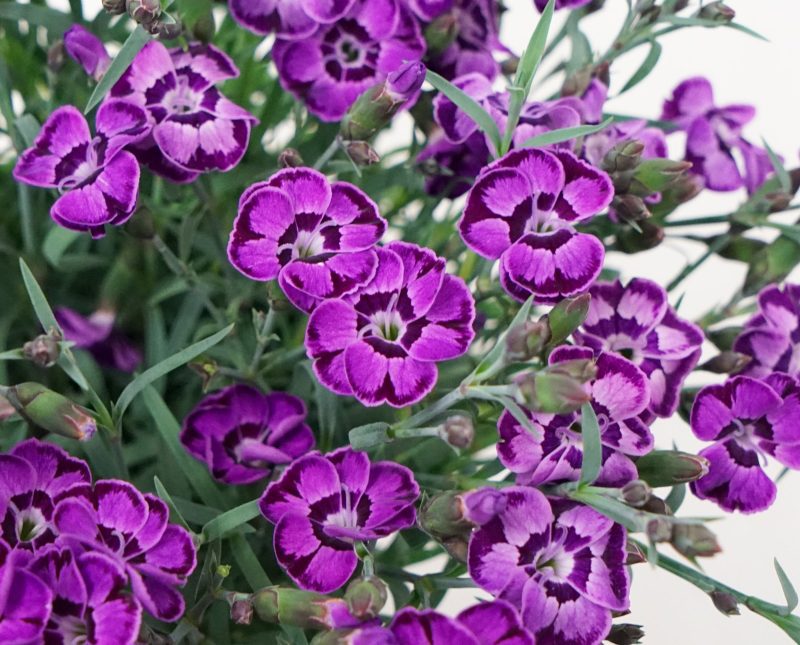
[
  {"x": 195, "y": 128},
  {"x": 97, "y": 180},
  {"x": 330, "y": 68},
  {"x": 381, "y": 343},
  {"x": 90, "y": 604},
  {"x": 115, "y": 519},
  {"x": 33, "y": 477},
  {"x": 315, "y": 237},
  {"x": 522, "y": 211},
  {"x": 713, "y": 133},
  {"x": 771, "y": 338},
  {"x": 560, "y": 563},
  {"x": 288, "y": 19},
  {"x": 25, "y": 601},
  {"x": 451, "y": 168},
  {"x": 747, "y": 420},
  {"x": 87, "y": 50},
  {"x": 637, "y": 321},
  {"x": 322, "y": 504},
  {"x": 97, "y": 335},
  {"x": 242, "y": 434},
  {"x": 555, "y": 452}
]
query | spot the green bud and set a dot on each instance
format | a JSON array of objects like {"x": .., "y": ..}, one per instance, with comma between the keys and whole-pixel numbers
[
  {"x": 114, "y": 7},
  {"x": 772, "y": 264},
  {"x": 739, "y": 248},
  {"x": 634, "y": 554},
  {"x": 442, "y": 516},
  {"x": 144, "y": 11},
  {"x": 52, "y": 412},
  {"x": 441, "y": 33},
  {"x": 659, "y": 529},
  {"x": 648, "y": 236},
  {"x": 43, "y": 350},
  {"x": 286, "y": 606},
  {"x": 623, "y": 157},
  {"x": 718, "y": 12},
  {"x": 290, "y": 158},
  {"x": 725, "y": 602},
  {"x": 625, "y": 634},
  {"x": 361, "y": 153},
  {"x": 509, "y": 66},
  {"x": 656, "y": 505},
  {"x": 366, "y": 597},
  {"x": 204, "y": 27},
  {"x": 575, "y": 84},
  {"x": 655, "y": 175},
  {"x": 670, "y": 467},
  {"x": 553, "y": 391},
  {"x": 726, "y": 363},
  {"x": 630, "y": 208},
  {"x": 694, "y": 541},
  {"x": 458, "y": 431},
  {"x": 457, "y": 547},
  {"x": 567, "y": 316},
  {"x": 528, "y": 340},
  {"x": 636, "y": 493}
]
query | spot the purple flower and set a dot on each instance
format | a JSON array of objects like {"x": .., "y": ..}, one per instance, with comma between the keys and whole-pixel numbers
[
  {"x": 89, "y": 600},
  {"x": 242, "y": 434},
  {"x": 288, "y": 19},
  {"x": 322, "y": 504},
  {"x": 315, "y": 237},
  {"x": 381, "y": 343},
  {"x": 747, "y": 419},
  {"x": 597, "y": 145},
  {"x": 522, "y": 211},
  {"x": 87, "y": 50},
  {"x": 25, "y": 601},
  {"x": 560, "y": 563},
  {"x": 115, "y": 519},
  {"x": 637, "y": 321},
  {"x": 771, "y": 338},
  {"x": 195, "y": 128},
  {"x": 555, "y": 452},
  {"x": 561, "y": 4},
  {"x": 97, "y": 335},
  {"x": 33, "y": 477},
  {"x": 330, "y": 68},
  {"x": 97, "y": 179},
  {"x": 451, "y": 168},
  {"x": 712, "y": 134}
]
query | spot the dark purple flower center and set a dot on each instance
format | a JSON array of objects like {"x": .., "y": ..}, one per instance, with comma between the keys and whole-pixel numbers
[
  {"x": 27, "y": 520},
  {"x": 344, "y": 523},
  {"x": 81, "y": 165},
  {"x": 349, "y": 52}
]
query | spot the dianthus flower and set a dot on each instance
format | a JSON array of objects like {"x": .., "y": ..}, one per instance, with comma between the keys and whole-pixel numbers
[
  {"x": 87, "y": 50},
  {"x": 713, "y": 133},
  {"x": 242, "y": 434},
  {"x": 637, "y": 321},
  {"x": 288, "y": 19},
  {"x": 25, "y": 601},
  {"x": 562, "y": 564},
  {"x": 619, "y": 394},
  {"x": 90, "y": 604},
  {"x": 381, "y": 343},
  {"x": 195, "y": 128},
  {"x": 97, "y": 335},
  {"x": 114, "y": 518},
  {"x": 97, "y": 180},
  {"x": 522, "y": 211},
  {"x": 322, "y": 504},
  {"x": 771, "y": 338},
  {"x": 330, "y": 68},
  {"x": 451, "y": 168},
  {"x": 33, "y": 477},
  {"x": 747, "y": 420},
  {"x": 313, "y": 236}
]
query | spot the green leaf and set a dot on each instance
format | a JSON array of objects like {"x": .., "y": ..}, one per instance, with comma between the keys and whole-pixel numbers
[
  {"x": 592, "y": 448},
  {"x": 621, "y": 513},
  {"x": 369, "y": 435},
  {"x": 174, "y": 512},
  {"x": 50, "y": 19},
  {"x": 508, "y": 403},
  {"x": 495, "y": 355},
  {"x": 789, "y": 591},
  {"x": 650, "y": 61},
  {"x": 780, "y": 172},
  {"x": 28, "y": 127},
  {"x": 468, "y": 105},
  {"x": 565, "y": 134},
  {"x": 132, "y": 46},
  {"x": 690, "y": 21},
  {"x": 676, "y": 497},
  {"x": 250, "y": 567},
  {"x": 165, "y": 367},
  {"x": 223, "y": 524},
  {"x": 56, "y": 242},
  {"x": 532, "y": 56}
]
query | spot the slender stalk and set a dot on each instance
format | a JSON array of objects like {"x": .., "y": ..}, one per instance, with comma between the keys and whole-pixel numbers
[
  {"x": 263, "y": 340},
  {"x": 715, "y": 246},
  {"x": 325, "y": 157}
]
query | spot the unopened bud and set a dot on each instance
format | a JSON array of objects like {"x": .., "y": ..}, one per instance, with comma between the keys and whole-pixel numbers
[
  {"x": 648, "y": 236},
  {"x": 680, "y": 5},
  {"x": 726, "y": 363},
  {"x": 634, "y": 554},
  {"x": 553, "y": 392},
  {"x": 576, "y": 84},
  {"x": 623, "y": 157},
  {"x": 724, "y": 337},
  {"x": 636, "y": 493},
  {"x": 304, "y": 609},
  {"x": 657, "y": 506},
  {"x": 290, "y": 158},
  {"x": 366, "y": 597},
  {"x": 567, "y": 316},
  {"x": 52, "y": 412},
  {"x": 630, "y": 208},
  {"x": 684, "y": 189},
  {"x": 144, "y": 11},
  {"x": 242, "y": 612},
  {"x": 717, "y": 11},
  {"x": 778, "y": 201},
  {"x": 725, "y": 602},
  {"x": 526, "y": 341},
  {"x": 56, "y": 54},
  {"x": 406, "y": 81},
  {"x": 441, "y": 33},
  {"x": 659, "y": 529},
  {"x": 114, "y": 7},
  {"x": 362, "y": 153},
  {"x": 458, "y": 431},
  {"x": 670, "y": 467},
  {"x": 509, "y": 66},
  {"x": 694, "y": 541},
  {"x": 457, "y": 547},
  {"x": 43, "y": 350},
  {"x": 164, "y": 30},
  {"x": 656, "y": 175},
  {"x": 625, "y": 634},
  {"x": 204, "y": 28},
  {"x": 443, "y": 515}
]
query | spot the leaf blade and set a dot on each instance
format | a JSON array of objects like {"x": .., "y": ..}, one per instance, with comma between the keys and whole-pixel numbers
[
  {"x": 592, "y": 448},
  {"x": 565, "y": 134},
  {"x": 650, "y": 61},
  {"x": 132, "y": 46},
  {"x": 789, "y": 591},
  {"x": 230, "y": 520}
]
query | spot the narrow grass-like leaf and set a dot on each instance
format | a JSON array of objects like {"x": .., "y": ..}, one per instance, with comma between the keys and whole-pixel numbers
[
  {"x": 691, "y": 21},
  {"x": 132, "y": 46},
  {"x": 650, "y": 61},
  {"x": 565, "y": 134},
  {"x": 369, "y": 435},
  {"x": 223, "y": 524},
  {"x": 780, "y": 172},
  {"x": 676, "y": 497},
  {"x": 56, "y": 242},
  {"x": 174, "y": 512},
  {"x": 250, "y": 567},
  {"x": 496, "y": 353},
  {"x": 52, "y": 20},
  {"x": 508, "y": 403},
  {"x": 165, "y": 367},
  {"x": 789, "y": 591},
  {"x": 468, "y": 105},
  {"x": 592, "y": 448},
  {"x": 532, "y": 56}
]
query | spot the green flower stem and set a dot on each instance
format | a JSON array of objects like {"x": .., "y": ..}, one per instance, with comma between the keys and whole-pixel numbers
[
  {"x": 325, "y": 157},
  {"x": 445, "y": 403},
  {"x": 263, "y": 337}
]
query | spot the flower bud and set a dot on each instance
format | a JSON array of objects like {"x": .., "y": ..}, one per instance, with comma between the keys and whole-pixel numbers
[
  {"x": 366, "y": 597},
  {"x": 670, "y": 467},
  {"x": 634, "y": 554},
  {"x": 406, "y": 81},
  {"x": 726, "y": 363},
  {"x": 625, "y": 634},
  {"x": 144, "y": 11},
  {"x": 304, "y": 609},
  {"x": 680, "y": 5},
  {"x": 659, "y": 529},
  {"x": 623, "y": 157},
  {"x": 290, "y": 158},
  {"x": 694, "y": 541},
  {"x": 656, "y": 505},
  {"x": 567, "y": 316},
  {"x": 457, "y": 547},
  {"x": 778, "y": 201},
  {"x": 114, "y": 7},
  {"x": 509, "y": 66},
  {"x": 441, "y": 33},
  {"x": 655, "y": 175},
  {"x": 52, "y": 412},
  {"x": 164, "y": 30},
  {"x": 362, "y": 153},
  {"x": 630, "y": 208},
  {"x": 717, "y": 11},
  {"x": 458, "y": 431},
  {"x": 43, "y": 350},
  {"x": 204, "y": 27},
  {"x": 526, "y": 341},
  {"x": 56, "y": 55},
  {"x": 648, "y": 236},
  {"x": 636, "y": 493},
  {"x": 554, "y": 392},
  {"x": 242, "y": 612},
  {"x": 725, "y": 602},
  {"x": 443, "y": 515}
]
